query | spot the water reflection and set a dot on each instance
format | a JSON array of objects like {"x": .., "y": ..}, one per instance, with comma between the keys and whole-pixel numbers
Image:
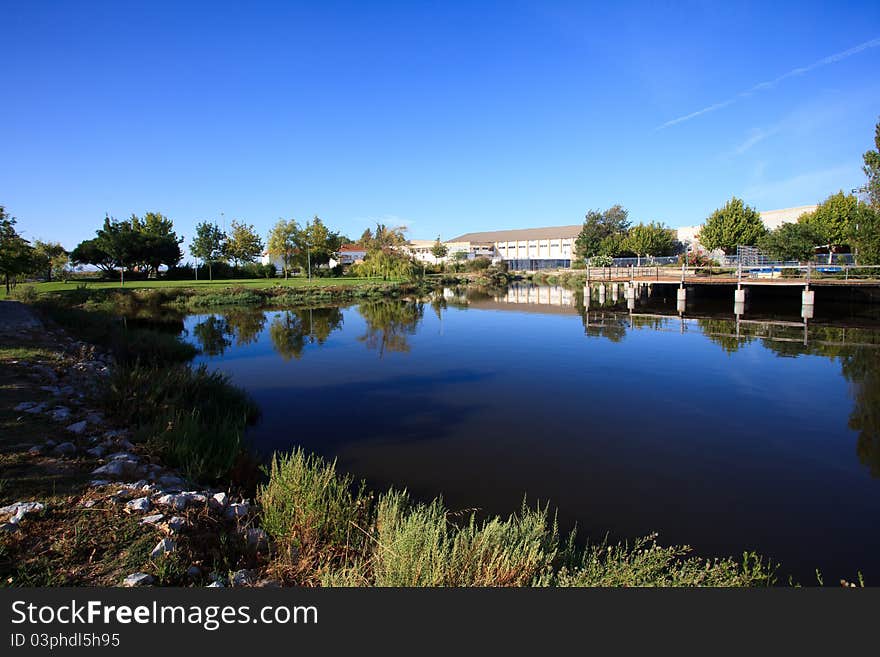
[
  {"x": 627, "y": 419},
  {"x": 390, "y": 323},
  {"x": 291, "y": 330}
]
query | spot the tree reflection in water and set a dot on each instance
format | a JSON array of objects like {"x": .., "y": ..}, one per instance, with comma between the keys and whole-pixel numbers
[
  {"x": 389, "y": 322},
  {"x": 212, "y": 335},
  {"x": 291, "y": 330}
]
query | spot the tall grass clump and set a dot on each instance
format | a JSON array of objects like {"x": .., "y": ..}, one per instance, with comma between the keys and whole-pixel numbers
[
  {"x": 327, "y": 531},
  {"x": 194, "y": 418},
  {"x": 319, "y": 519},
  {"x": 421, "y": 545}
]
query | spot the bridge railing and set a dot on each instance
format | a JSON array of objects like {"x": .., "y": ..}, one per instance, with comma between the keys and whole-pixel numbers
[{"x": 782, "y": 271}]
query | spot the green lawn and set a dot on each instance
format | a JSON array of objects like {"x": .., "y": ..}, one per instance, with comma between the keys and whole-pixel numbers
[{"x": 296, "y": 281}]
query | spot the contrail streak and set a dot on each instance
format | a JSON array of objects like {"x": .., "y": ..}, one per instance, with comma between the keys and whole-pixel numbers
[{"x": 769, "y": 84}]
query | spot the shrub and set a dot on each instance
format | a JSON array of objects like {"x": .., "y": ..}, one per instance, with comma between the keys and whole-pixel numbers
[
  {"x": 601, "y": 261},
  {"x": 315, "y": 515},
  {"x": 25, "y": 293}
]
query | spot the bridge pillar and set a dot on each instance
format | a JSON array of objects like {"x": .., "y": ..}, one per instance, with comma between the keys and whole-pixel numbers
[
  {"x": 681, "y": 294},
  {"x": 630, "y": 291},
  {"x": 602, "y": 294},
  {"x": 807, "y": 311},
  {"x": 739, "y": 295},
  {"x": 614, "y": 292},
  {"x": 739, "y": 308},
  {"x": 808, "y": 297}
]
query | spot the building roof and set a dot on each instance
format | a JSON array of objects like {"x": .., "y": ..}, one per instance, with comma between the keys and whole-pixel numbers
[
  {"x": 357, "y": 248},
  {"x": 521, "y": 234}
]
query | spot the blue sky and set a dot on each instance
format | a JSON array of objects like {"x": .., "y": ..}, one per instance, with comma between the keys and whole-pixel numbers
[{"x": 446, "y": 117}]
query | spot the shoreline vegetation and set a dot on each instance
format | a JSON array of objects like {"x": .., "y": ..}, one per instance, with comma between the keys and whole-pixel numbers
[{"x": 324, "y": 528}]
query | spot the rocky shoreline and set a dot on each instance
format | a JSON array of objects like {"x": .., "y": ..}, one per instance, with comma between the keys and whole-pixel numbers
[{"x": 123, "y": 478}]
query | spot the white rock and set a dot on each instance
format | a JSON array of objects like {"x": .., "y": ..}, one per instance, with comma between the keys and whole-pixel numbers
[
  {"x": 172, "y": 481},
  {"x": 36, "y": 450},
  {"x": 37, "y": 408},
  {"x": 239, "y": 510},
  {"x": 176, "y": 523},
  {"x": 24, "y": 406},
  {"x": 177, "y": 502},
  {"x": 163, "y": 547},
  {"x": 139, "y": 505},
  {"x": 97, "y": 452},
  {"x": 122, "y": 456},
  {"x": 219, "y": 500},
  {"x": 97, "y": 483},
  {"x": 65, "y": 449},
  {"x": 19, "y": 510},
  {"x": 61, "y": 413},
  {"x": 154, "y": 519},
  {"x": 112, "y": 469},
  {"x": 77, "y": 427},
  {"x": 197, "y": 498},
  {"x": 138, "y": 579},
  {"x": 216, "y": 584}
]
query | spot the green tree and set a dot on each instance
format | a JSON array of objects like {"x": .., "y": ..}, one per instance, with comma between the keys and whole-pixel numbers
[
  {"x": 16, "y": 253},
  {"x": 208, "y": 244},
  {"x": 834, "y": 221},
  {"x": 598, "y": 227},
  {"x": 732, "y": 225},
  {"x": 653, "y": 239},
  {"x": 123, "y": 243},
  {"x": 160, "y": 244},
  {"x": 284, "y": 242},
  {"x": 384, "y": 237},
  {"x": 439, "y": 250},
  {"x": 243, "y": 244},
  {"x": 865, "y": 237},
  {"x": 791, "y": 241},
  {"x": 50, "y": 259},
  {"x": 316, "y": 244},
  {"x": 872, "y": 169},
  {"x": 89, "y": 252}
]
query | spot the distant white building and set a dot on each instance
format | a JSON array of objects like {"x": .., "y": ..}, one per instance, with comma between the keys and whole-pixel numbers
[{"x": 524, "y": 248}]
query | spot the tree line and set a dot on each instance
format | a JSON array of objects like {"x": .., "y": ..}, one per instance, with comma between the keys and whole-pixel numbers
[
  {"x": 610, "y": 234},
  {"x": 18, "y": 257}
]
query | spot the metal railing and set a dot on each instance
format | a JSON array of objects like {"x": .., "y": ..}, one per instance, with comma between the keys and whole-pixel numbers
[{"x": 777, "y": 271}]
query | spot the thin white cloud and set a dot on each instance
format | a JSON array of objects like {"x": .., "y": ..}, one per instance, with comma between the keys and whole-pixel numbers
[
  {"x": 770, "y": 84},
  {"x": 758, "y": 135},
  {"x": 810, "y": 187}
]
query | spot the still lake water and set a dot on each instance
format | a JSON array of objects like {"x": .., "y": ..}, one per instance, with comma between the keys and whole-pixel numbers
[{"x": 724, "y": 435}]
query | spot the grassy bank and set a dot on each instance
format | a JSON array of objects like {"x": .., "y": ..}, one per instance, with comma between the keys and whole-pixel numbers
[{"x": 202, "y": 285}]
